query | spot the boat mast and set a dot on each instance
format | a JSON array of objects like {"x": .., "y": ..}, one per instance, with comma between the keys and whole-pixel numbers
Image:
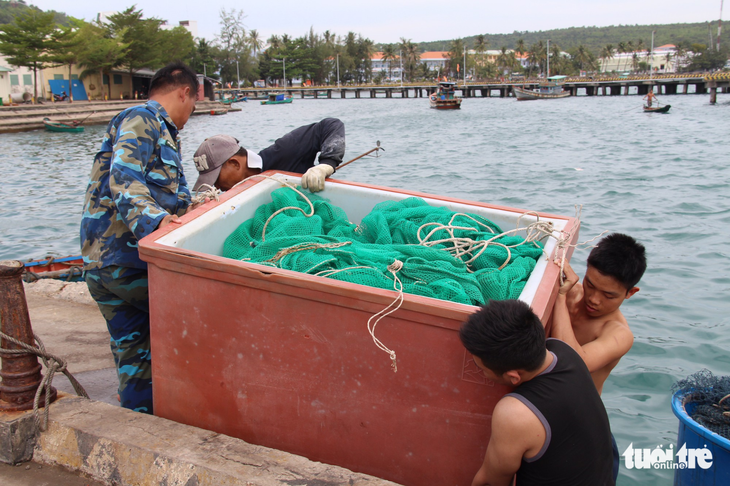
[{"x": 548, "y": 59}]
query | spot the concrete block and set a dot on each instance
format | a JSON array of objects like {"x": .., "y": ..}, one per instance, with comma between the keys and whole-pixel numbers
[
  {"x": 121, "y": 447},
  {"x": 17, "y": 437}
]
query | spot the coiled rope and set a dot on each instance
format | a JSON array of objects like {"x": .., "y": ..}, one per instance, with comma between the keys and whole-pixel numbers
[{"x": 53, "y": 365}]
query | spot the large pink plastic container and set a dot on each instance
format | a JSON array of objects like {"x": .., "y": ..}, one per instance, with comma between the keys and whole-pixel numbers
[{"x": 285, "y": 360}]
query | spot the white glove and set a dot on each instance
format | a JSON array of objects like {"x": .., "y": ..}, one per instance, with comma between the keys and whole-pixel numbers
[{"x": 314, "y": 178}]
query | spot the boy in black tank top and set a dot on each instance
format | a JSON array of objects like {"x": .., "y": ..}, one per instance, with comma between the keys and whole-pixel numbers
[{"x": 553, "y": 429}]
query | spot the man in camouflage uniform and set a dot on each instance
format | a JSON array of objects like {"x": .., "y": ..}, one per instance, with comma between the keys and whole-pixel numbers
[{"x": 136, "y": 186}]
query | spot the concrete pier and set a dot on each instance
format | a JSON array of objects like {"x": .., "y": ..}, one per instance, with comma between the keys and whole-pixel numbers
[
  {"x": 22, "y": 117},
  {"x": 112, "y": 445}
]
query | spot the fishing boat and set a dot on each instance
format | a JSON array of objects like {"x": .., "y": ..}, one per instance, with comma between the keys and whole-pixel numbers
[
  {"x": 228, "y": 101},
  {"x": 54, "y": 126},
  {"x": 64, "y": 268},
  {"x": 552, "y": 88},
  {"x": 219, "y": 111},
  {"x": 444, "y": 98},
  {"x": 310, "y": 367},
  {"x": 278, "y": 99},
  {"x": 657, "y": 109}
]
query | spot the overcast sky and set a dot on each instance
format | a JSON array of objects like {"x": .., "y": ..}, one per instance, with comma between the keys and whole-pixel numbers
[{"x": 388, "y": 20}]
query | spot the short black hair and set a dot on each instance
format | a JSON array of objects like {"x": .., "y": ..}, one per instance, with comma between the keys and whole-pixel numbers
[
  {"x": 506, "y": 335},
  {"x": 621, "y": 257},
  {"x": 173, "y": 76}
]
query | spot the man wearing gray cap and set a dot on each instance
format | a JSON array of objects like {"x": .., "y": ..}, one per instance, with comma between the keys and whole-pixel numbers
[{"x": 222, "y": 162}]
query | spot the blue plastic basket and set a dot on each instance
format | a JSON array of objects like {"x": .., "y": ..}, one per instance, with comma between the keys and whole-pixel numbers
[{"x": 693, "y": 435}]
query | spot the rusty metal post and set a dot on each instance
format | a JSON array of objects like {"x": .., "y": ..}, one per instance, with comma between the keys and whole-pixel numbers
[{"x": 21, "y": 374}]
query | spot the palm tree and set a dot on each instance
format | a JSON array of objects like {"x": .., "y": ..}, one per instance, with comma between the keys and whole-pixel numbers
[
  {"x": 506, "y": 60},
  {"x": 520, "y": 48},
  {"x": 455, "y": 55},
  {"x": 274, "y": 41},
  {"x": 536, "y": 55},
  {"x": 410, "y": 54},
  {"x": 607, "y": 54},
  {"x": 389, "y": 55},
  {"x": 680, "y": 53},
  {"x": 583, "y": 56},
  {"x": 621, "y": 49},
  {"x": 255, "y": 40},
  {"x": 480, "y": 46},
  {"x": 629, "y": 50}
]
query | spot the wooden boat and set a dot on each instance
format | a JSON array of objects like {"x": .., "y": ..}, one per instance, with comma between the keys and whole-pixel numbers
[
  {"x": 302, "y": 375},
  {"x": 278, "y": 99},
  {"x": 657, "y": 109},
  {"x": 65, "y": 268},
  {"x": 54, "y": 126},
  {"x": 550, "y": 89},
  {"x": 444, "y": 98},
  {"x": 219, "y": 111},
  {"x": 228, "y": 101}
]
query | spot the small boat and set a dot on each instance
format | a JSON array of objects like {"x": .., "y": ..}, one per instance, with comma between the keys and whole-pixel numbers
[
  {"x": 66, "y": 268},
  {"x": 54, "y": 126},
  {"x": 278, "y": 99},
  {"x": 444, "y": 98},
  {"x": 551, "y": 89},
  {"x": 657, "y": 109},
  {"x": 228, "y": 101}
]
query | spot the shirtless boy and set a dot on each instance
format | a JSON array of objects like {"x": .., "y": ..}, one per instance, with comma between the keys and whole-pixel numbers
[{"x": 587, "y": 316}]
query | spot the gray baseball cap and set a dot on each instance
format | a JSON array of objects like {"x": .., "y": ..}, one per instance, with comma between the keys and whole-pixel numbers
[{"x": 213, "y": 153}]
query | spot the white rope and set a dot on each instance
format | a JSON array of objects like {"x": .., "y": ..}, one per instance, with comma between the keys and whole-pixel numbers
[
  {"x": 393, "y": 268},
  {"x": 563, "y": 242},
  {"x": 464, "y": 246},
  {"x": 209, "y": 193}
]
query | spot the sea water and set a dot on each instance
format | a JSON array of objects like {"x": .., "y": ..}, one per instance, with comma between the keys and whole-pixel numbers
[{"x": 664, "y": 179}]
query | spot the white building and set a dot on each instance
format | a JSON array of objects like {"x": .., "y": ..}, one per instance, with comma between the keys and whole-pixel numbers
[
  {"x": 15, "y": 81},
  {"x": 662, "y": 60}
]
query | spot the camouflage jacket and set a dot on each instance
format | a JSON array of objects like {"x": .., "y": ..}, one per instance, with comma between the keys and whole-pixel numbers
[{"x": 136, "y": 180}]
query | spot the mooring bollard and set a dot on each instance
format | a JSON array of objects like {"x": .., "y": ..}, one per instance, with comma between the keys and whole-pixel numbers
[{"x": 21, "y": 373}]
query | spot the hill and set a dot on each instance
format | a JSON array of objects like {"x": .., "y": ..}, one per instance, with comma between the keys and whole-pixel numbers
[
  {"x": 595, "y": 38},
  {"x": 10, "y": 8}
]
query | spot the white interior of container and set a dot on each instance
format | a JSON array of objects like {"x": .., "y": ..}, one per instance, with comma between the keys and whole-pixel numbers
[{"x": 207, "y": 232}]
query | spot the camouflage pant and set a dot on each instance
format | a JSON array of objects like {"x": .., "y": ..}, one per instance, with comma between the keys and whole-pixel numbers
[{"x": 122, "y": 296}]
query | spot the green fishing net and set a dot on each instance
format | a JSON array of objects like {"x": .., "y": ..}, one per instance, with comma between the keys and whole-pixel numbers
[{"x": 329, "y": 245}]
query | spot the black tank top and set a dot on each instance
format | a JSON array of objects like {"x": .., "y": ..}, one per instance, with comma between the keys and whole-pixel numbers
[{"x": 577, "y": 448}]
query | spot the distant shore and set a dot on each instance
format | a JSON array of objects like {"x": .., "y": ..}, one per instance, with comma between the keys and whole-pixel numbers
[{"x": 24, "y": 117}]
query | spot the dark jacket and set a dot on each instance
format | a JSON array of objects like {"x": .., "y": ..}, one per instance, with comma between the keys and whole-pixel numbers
[{"x": 297, "y": 150}]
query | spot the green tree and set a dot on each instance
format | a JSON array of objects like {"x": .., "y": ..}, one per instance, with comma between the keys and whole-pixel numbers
[
  {"x": 506, "y": 60},
  {"x": 142, "y": 38},
  {"x": 176, "y": 44},
  {"x": 583, "y": 58},
  {"x": 203, "y": 59},
  {"x": 234, "y": 52},
  {"x": 621, "y": 49},
  {"x": 101, "y": 53},
  {"x": 480, "y": 47},
  {"x": 390, "y": 55},
  {"x": 455, "y": 56},
  {"x": 255, "y": 41},
  {"x": 69, "y": 46},
  {"x": 29, "y": 42},
  {"x": 537, "y": 57},
  {"x": 607, "y": 54}
]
